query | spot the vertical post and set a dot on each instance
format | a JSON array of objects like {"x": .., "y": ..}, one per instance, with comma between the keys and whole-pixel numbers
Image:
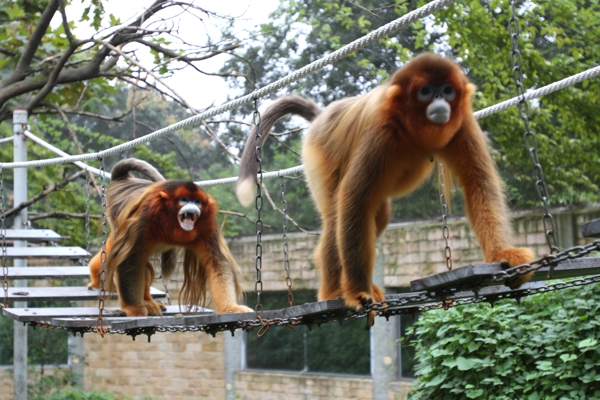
[
  {"x": 20, "y": 196},
  {"x": 567, "y": 230},
  {"x": 76, "y": 355},
  {"x": 233, "y": 361},
  {"x": 383, "y": 336}
]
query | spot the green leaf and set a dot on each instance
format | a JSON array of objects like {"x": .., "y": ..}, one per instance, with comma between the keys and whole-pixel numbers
[
  {"x": 568, "y": 357},
  {"x": 473, "y": 394},
  {"x": 473, "y": 346},
  {"x": 587, "y": 343},
  {"x": 465, "y": 364},
  {"x": 14, "y": 11},
  {"x": 544, "y": 365},
  {"x": 436, "y": 381}
]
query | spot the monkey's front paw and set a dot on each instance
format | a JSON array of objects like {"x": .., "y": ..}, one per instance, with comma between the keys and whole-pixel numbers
[
  {"x": 515, "y": 256},
  {"x": 235, "y": 308}
]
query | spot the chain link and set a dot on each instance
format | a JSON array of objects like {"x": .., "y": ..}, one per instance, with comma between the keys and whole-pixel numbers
[
  {"x": 258, "y": 286},
  {"x": 529, "y": 137},
  {"x": 548, "y": 260},
  {"x": 445, "y": 228},
  {"x": 102, "y": 295},
  {"x": 87, "y": 210},
  {"x": 286, "y": 262},
  {"x": 4, "y": 248},
  {"x": 403, "y": 304}
]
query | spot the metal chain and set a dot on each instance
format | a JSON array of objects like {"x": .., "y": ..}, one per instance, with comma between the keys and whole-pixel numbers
[
  {"x": 548, "y": 260},
  {"x": 4, "y": 249},
  {"x": 87, "y": 210},
  {"x": 102, "y": 295},
  {"x": 529, "y": 137},
  {"x": 445, "y": 228},
  {"x": 286, "y": 262},
  {"x": 405, "y": 304},
  {"x": 258, "y": 286}
]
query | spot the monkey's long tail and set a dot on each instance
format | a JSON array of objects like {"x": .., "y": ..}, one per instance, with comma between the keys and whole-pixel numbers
[
  {"x": 123, "y": 167},
  {"x": 296, "y": 105}
]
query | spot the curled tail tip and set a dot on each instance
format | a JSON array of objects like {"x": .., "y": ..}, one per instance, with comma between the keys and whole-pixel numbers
[{"x": 244, "y": 191}]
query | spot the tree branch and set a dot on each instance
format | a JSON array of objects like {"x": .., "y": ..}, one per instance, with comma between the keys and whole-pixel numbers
[
  {"x": 77, "y": 145},
  {"x": 16, "y": 86},
  {"x": 174, "y": 55},
  {"x": 158, "y": 79},
  {"x": 237, "y": 214},
  {"x": 32, "y": 45},
  {"x": 33, "y": 216},
  {"x": 268, "y": 196},
  {"x": 44, "y": 193},
  {"x": 213, "y": 135}
]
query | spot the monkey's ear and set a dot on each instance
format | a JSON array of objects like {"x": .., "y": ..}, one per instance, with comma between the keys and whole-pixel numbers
[
  {"x": 393, "y": 91},
  {"x": 470, "y": 90},
  {"x": 164, "y": 195}
]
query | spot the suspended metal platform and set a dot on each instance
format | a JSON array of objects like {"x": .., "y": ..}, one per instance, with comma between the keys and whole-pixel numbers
[
  {"x": 470, "y": 284},
  {"x": 590, "y": 228}
]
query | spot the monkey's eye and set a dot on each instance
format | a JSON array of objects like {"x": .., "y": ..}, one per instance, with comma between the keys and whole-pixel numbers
[
  {"x": 425, "y": 94},
  {"x": 184, "y": 200},
  {"x": 448, "y": 92}
]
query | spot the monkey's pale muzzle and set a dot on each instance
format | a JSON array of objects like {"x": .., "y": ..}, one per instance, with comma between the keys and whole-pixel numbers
[
  {"x": 188, "y": 215},
  {"x": 438, "y": 111}
]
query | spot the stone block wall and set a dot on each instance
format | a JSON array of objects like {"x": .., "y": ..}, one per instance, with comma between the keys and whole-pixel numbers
[
  {"x": 172, "y": 366},
  {"x": 6, "y": 383}
]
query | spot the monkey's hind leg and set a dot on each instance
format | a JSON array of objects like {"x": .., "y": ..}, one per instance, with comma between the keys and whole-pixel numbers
[
  {"x": 154, "y": 307},
  {"x": 96, "y": 265},
  {"x": 329, "y": 265},
  {"x": 131, "y": 281}
]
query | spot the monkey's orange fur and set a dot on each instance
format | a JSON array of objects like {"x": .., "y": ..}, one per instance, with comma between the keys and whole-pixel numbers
[
  {"x": 145, "y": 219},
  {"x": 360, "y": 152}
]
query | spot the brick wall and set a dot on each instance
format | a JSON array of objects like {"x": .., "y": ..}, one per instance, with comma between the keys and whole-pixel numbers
[
  {"x": 6, "y": 383},
  {"x": 284, "y": 386},
  {"x": 172, "y": 366}
]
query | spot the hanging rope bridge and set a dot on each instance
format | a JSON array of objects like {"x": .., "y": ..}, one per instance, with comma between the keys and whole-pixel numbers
[{"x": 470, "y": 284}]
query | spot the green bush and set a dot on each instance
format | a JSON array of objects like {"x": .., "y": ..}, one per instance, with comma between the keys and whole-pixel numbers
[{"x": 547, "y": 347}]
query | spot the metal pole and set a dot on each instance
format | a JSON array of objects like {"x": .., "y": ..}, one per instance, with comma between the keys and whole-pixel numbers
[
  {"x": 233, "y": 361},
  {"x": 383, "y": 335},
  {"x": 20, "y": 196}
]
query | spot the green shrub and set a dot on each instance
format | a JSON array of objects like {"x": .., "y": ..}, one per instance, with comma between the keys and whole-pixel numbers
[{"x": 547, "y": 347}]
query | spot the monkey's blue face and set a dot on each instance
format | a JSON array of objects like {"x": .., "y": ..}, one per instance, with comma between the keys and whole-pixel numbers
[
  {"x": 189, "y": 212},
  {"x": 439, "y": 98}
]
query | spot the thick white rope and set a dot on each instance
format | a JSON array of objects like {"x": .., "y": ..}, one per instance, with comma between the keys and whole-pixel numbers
[
  {"x": 553, "y": 87},
  {"x": 377, "y": 34},
  {"x": 61, "y": 153},
  {"x": 233, "y": 179},
  {"x": 534, "y": 94}
]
